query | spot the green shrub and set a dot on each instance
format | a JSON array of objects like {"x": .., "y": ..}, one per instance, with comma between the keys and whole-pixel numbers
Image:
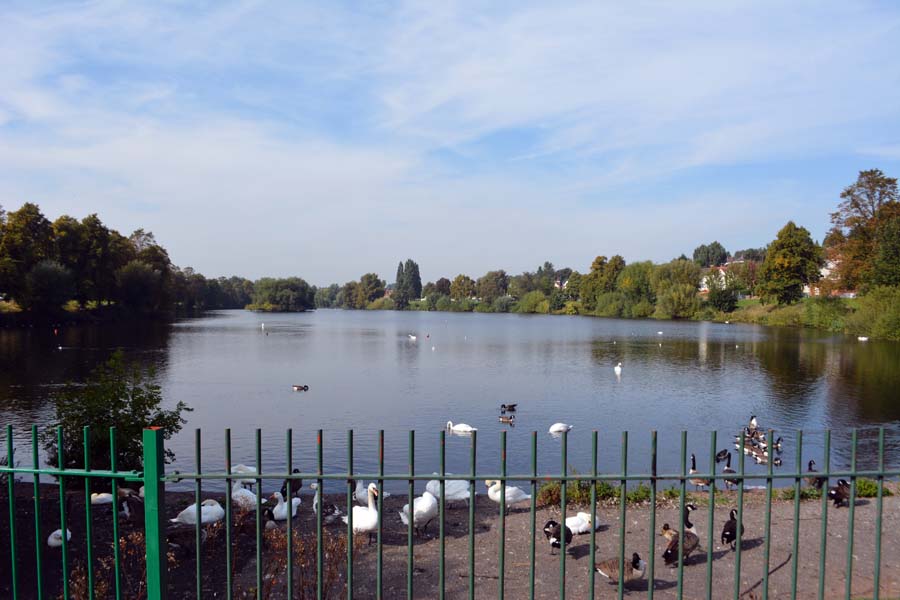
[
  {"x": 533, "y": 302},
  {"x": 825, "y": 313},
  {"x": 503, "y": 304},
  {"x": 642, "y": 310},
  {"x": 806, "y": 493},
  {"x": 867, "y": 488},
  {"x": 483, "y": 307},
  {"x": 639, "y": 494},
  {"x": 573, "y": 307},
  {"x": 610, "y": 304},
  {"x": 878, "y": 314},
  {"x": 383, "y": 303}
]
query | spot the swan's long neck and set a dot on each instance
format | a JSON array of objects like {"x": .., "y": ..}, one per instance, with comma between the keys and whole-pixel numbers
[{"x": 371, "y": 500}]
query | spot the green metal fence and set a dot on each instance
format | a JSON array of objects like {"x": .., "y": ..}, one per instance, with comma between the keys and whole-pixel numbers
[{"x": 154, "y": 479}]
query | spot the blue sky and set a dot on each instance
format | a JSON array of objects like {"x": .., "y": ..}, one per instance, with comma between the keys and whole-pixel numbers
[{"x": 331, "y": 139}]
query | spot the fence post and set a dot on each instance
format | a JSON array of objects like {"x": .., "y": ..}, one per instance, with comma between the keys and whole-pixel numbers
[{"x": 154, "y": 512}]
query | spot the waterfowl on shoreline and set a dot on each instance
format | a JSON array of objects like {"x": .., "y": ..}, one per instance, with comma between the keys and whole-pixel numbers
[
  {"x": 54, "y": 540},
  {"x": 242, "y": 469},
  {"x": 560, "y": 428},
  {"x": 296, "y": 485},
  {"x": 729, "y": 530},
  {"x": 513, "y": 494},
  {"x": 269, "y": 518},
  {"x": 688, "y": 509},
  {"x": 632, "y": 571},
  {"x": 816, "y": 482},
  {"x": 241, "y": 497},
  {"x": 698, "y": 482},
  {"x": 581, "y": 523},
  {"x": 424, "y": 509},
  {"x": 101, "y": 498},
  {"x": 553, "y": 531},
  {"x": 331, "y": 513},
  {"x": 840, "y": 493},
  {"x": 454, "y": 489},
  {"x": 670, "y": 555},
  {"x": 280, "y": 510},
  {"x": 365, "y": 519},
  {"x": 210, "y": 512},
  {"x": 727, "y": 470},
  {"x": 183, "y": 537},
  {"x": 359, "y": 494},
  {"x": 462, "y": 428}
]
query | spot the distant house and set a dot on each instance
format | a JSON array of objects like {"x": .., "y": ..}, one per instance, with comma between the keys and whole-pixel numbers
[
  {"x": 560, "y": 285},
  {"x": 714, "y": 273},
  {"x": 828, "y": 283}
]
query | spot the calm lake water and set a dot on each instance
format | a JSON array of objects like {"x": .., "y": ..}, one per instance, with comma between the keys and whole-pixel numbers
[{"x": 365, "y": 374}]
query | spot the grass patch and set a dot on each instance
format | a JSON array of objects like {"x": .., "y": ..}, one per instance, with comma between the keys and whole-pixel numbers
[
  {"x": 806, "y": 493},
  {"x": 868, "y": 488}
]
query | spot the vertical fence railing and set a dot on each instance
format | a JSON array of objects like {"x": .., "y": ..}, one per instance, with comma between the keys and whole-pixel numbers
[{"x": 154, "y": 478}]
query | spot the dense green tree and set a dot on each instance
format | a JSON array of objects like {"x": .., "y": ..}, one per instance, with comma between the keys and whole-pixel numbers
[
  {"x": 712, "y": 255},
  {"x": 886, "y": 267},
  {"x": 534, "y": 302},
  {"x": 48, "y": 286},
  {"x": 117, "y": 395},
  {"x": 721, "y": 296},
  {"x": 69, "y": 250},
  {"x": 370, "y": 288},
  {"x": 442, "y": 286},
  {"x": 291, "y": 294},
  {"x": 408, "y": 286},
  {"x": 400, "y": 293},
  {"x": 492, "y": 285},
  {"x": 793, "y": 260},
  {"x": 325, "y": 297},
  {"x": 678, "y": 271},
  {"x": 429, "y": 289},
  {"x": 677, "y": 301},
  {"x": 635, "y": 282},
  {"x": 139, "y": 285},
  {"x": 751, "y": 254},
  {"x": 573, "y": 285},
  {"x": 851, "y": 242},
  {"x": 601, "y": 280},
  {"x": 462, "y": 287},
  {"x": 27, "y": 240}
]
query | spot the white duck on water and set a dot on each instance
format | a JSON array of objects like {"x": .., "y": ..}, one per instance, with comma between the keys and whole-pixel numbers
[
  {"x": 618, "y": 369},
  {"x": 365, "y": 519}
]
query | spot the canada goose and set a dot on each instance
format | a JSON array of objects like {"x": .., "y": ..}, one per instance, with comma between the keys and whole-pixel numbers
[
  {"x": 554, "y": 534},
  {"x": 816, "y": 482},
  {"x": 776, "y": 461},
  {"x": 753, "y": 425},
  {"x": 729, "y": 530},
  {"x": 777, "y": 445},
  {"x": 632, "y": 571},
  {"x": 269, "y": 517},
  {"x": 722, "y": 455},
  {"x": 462, "y": 428},
  {"x": 688, "y": 509},
  {"x": 698, "y": 482},
  {"x": 210, "y": 512},
  {"x": 424, "y": 510},
  {"x": 296, "y": 485},
  {"x": 691, "y": 542},
  {"x": 300, "y": 388},
  {"x": 508, "y": 407},
  {"x": 559, "y": 428},
  {"x": 133, "y": 509},
  {"x": 729, "y": 471},
  {"x": 840, "y": 493},
  {"x": 510, "y": 420},
  {"x": 514, "y": 495},
  {"x": 365, "y": 519}
]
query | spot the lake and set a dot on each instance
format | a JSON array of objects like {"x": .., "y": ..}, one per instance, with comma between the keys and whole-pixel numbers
[{"x": 365, "y": 373}]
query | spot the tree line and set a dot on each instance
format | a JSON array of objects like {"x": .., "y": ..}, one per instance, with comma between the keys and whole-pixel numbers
[
  {"x": 89, "y": 266},
  {"x": 862, "y": 248}
]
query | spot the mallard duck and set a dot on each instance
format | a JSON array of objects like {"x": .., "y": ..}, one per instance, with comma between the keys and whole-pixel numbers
[
  {"x": 632, "y": 571},
  {"x": 698, "y": 482},
  {"x": 816, "y": 482},
  {"x": 425, "y": 509},
  {"x": 670, "y": 555},
  {"x": 365, "y": 519},
  {"x": 554, "y": 534},
  {"x": 840, "y": 493},
  {"x": 729, "y": 530}
]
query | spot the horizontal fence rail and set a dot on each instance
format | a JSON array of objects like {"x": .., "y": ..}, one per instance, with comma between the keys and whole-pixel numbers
[{"x": 303, "y": 572}]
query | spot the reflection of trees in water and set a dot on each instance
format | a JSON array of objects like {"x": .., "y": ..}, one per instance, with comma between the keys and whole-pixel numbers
[
  {"x": 794, "y": 363},
  {"x": 864, "y": 382},
  {"x": 31, "y": 359}
]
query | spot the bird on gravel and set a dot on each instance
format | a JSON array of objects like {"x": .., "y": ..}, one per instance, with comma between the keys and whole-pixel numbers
[
  {"x": 814, "y": 481},
  {"x": 691, "y": 543},
  {"x": 729, "y": 530},
  {"x": 632, "y": 571},
  {"x": 554, "y": 533},
  {"x": 840, "y": 493}
]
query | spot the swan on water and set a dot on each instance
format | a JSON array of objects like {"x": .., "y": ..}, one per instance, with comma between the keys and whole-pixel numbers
[
  {"x": 618, "y": 369},
  {"x": 560, "y": 428},
  {"x": 425, "y": 508},
  {"x": 242, "y": 469},
  {"x": 365, "y": 519},
  {"x": 210, "y": 512},
  {"x": 411, "y": 337},
  {"x": 460, "y": 427},
  {"x": 280, "y": 510}
]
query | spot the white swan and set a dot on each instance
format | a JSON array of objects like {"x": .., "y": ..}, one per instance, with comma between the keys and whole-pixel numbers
[
  {"x": 560, "y": 428},
  {"x": 863, "y": 338},
  {"x": 460, "y": 427},
  {"x": 360, "y": 493},
  {"x": 281, "y": 509},
  {"x": 425, "y": 508},
  {"x": 101, "y": 498},
  {"x": 514, "y": 495},
  {"x": 242, "y": 498},
  {"x": 412, "y": 338},
  {"x": 581, "y": 523},
  {"x": 242, "y": 469},
  {"x": 365, "y": 519},
  {"x": 330, "y": 512},
  {"x": 54, "y": 540},
  {"x": 210, "y": 512},
  {"x": 454, "y": 489},
  {"x": 618, "y": 369}
]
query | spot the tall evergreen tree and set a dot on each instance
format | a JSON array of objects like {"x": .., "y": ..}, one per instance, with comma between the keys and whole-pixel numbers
[{"x": 412, "y": 279}]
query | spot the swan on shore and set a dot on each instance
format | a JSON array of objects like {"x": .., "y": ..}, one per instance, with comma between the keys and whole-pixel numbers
[
  {"x": 365, "y": 519},
  {"x": 454, "y": 489},
  {"x": 210, "y": 512},
  {"x": 243, "y": 498},
  {"x": 54, "y": 540},
  {"x": 360, "y": 493},
  {"x": 280, "y": 510},
  {"x": 425, "y": 508},
  {"x": 581, "y": 523},
  {"x": 514, "y": 495},
  {"x": 330, "y": 512}
]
